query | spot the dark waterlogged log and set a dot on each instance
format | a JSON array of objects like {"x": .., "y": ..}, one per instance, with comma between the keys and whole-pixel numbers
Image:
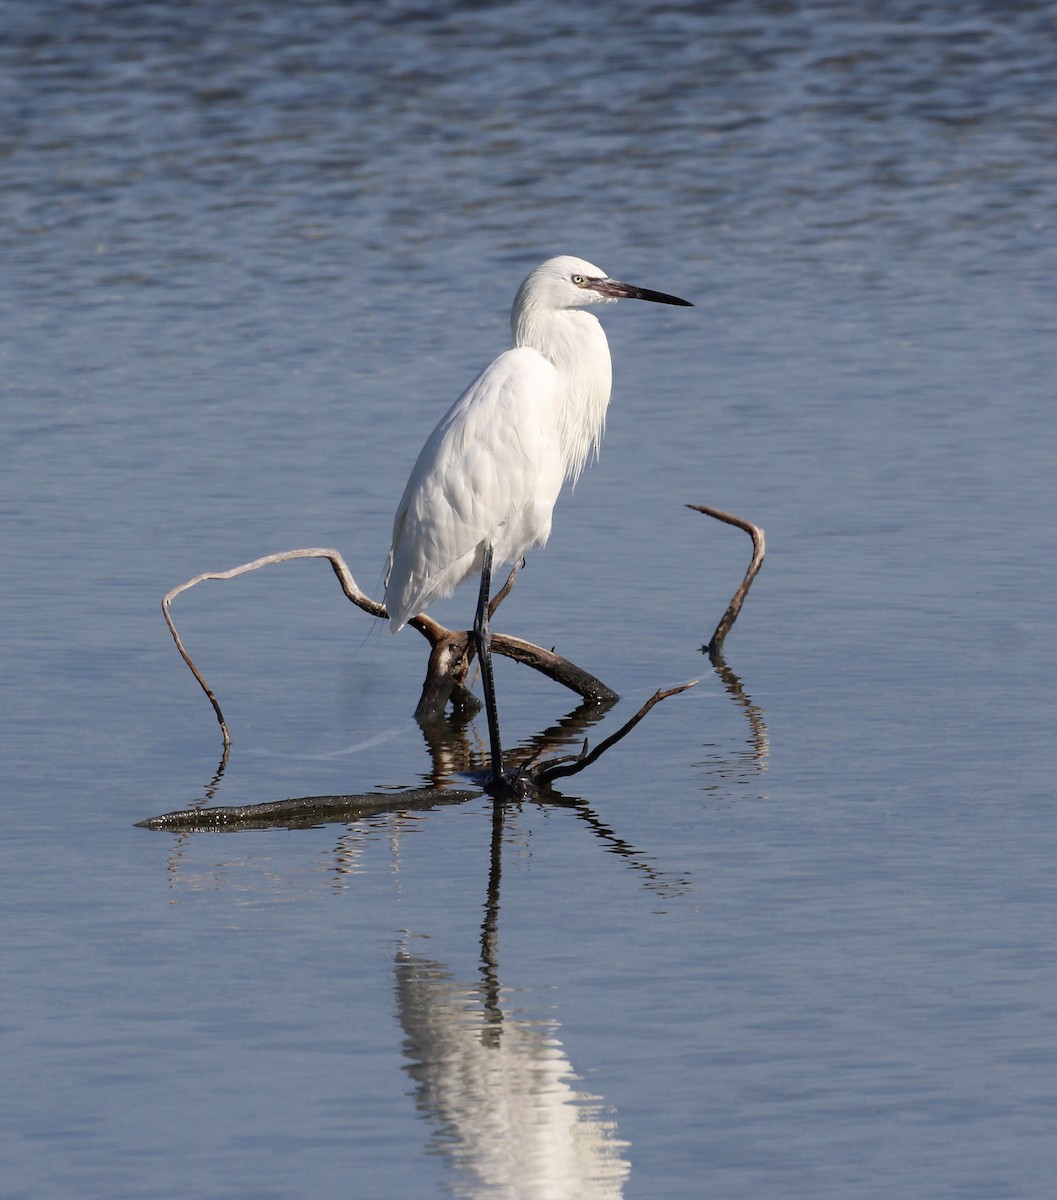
[
  {"x": 531, "y": 777},
  {"x": 306, "y": 811}
]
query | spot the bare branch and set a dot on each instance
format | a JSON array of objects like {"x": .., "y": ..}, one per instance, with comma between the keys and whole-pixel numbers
[
  {"x": 715, "y": 645},
  {"x": 451, "y": 652},
  {"x": 348, "y": 584},
  {"x": 504, "y": 591},
  {"x": 574, "y": 764},
  {"x": 561, "y": 670}
]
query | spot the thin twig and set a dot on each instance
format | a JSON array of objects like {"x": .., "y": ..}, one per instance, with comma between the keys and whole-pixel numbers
[
  {"x": 348, "y": 584},
  {"x": 562, "y": 766},
  {"x": 759, "y": 545},
  {"x": 505, "y": 590}
]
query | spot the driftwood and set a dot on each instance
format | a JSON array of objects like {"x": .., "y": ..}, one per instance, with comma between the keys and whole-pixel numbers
[
  {"x": 759, "y": 544},
  {"x": 306, "y": 811},
  {"x": 451, "y": 652},
  {"x": 450, "y": 659},
  {"x": 449, "y": 755},
  {"x": 559, "y": 768}
]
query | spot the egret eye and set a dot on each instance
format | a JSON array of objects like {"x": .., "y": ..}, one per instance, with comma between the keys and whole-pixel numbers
[{"x": 579, "y": 280}]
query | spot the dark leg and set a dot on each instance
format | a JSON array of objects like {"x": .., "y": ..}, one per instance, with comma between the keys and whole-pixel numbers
[{"x": 483, "y": 637}]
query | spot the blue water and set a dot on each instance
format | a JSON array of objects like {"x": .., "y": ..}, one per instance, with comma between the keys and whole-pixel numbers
[{"x": 795, "y": 936}]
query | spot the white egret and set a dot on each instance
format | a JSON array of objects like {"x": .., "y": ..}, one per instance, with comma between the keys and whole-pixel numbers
[{"x": 484, "y": 487}]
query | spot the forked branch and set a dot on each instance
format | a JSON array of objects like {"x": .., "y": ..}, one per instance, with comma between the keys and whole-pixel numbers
[{"x": 451, "y": 651}]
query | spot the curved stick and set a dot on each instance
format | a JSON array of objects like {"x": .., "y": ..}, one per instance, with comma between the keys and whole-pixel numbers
[
  {"x": 759, "y": 546},
  {"x": 504, "y": 591},
  {"x": 548, "y": 663},
  {"x": 448, "y": 659},
  {"x": 348, "y": 584},
  {"x": 573, "y": 764}
]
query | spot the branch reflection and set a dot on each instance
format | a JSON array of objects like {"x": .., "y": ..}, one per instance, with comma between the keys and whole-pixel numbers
[
  {"x": 455, "y": 749},
  {"x": 759, "y": 739},
  {"x": 367, "y": 815}
]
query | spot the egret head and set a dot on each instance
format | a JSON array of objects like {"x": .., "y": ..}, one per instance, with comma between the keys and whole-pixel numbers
[{"x": 568, "y": 282}]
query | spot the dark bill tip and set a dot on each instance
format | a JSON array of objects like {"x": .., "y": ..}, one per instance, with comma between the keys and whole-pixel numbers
[{"x": 628, "y": 291}]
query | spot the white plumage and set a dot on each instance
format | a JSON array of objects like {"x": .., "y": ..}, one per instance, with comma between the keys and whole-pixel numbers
[{"x": 490, "y": 473}]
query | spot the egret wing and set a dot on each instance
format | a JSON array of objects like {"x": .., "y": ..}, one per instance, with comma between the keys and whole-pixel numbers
[{"x": 490, "y": 472}]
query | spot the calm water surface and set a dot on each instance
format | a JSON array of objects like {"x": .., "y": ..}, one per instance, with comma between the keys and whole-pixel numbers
[{"x": 796, "y": 937}]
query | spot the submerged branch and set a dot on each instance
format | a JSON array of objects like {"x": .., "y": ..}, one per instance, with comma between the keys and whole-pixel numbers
[
  {"x": 305, "y": 811},
  {"x": 309, "y": 811}
]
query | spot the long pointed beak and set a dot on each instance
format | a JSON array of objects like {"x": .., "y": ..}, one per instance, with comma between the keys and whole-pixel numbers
[{"x": 613, "y": 289}]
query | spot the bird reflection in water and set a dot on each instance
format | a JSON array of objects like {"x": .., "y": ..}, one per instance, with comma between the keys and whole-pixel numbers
[
  {"x": 499, "y": 1088},
  {"x": 502, "y": 1095}
]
